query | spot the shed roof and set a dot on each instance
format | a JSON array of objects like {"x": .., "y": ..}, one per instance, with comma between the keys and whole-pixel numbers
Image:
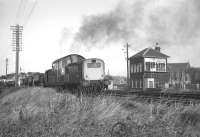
[{"x": 176, "y": 67}]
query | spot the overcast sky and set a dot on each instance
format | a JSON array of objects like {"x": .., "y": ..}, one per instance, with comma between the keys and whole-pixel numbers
[{"x": 99, "y": 28}]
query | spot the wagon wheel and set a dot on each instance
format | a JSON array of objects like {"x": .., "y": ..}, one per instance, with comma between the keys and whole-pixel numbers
[
  {"x": 119, "y": 130},
  {"x": 80, "y": 91}
]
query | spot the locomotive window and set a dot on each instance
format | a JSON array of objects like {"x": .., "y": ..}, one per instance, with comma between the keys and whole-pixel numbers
[
  {"x": 67, "y": 61},
  {"x": 80, "y": 58},
  {"x": 56, "y": 66},
  {"x": 74, "y": 59},
  {"x": 53, "y": 66},
  {"x": 93, "y": 65}
]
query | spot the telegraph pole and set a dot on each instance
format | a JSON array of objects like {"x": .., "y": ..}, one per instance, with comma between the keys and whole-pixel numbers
[
  {"x": 127, "y": 63},
  {"x": 17, "y": 47},
  {"x": 6, "y": 66},
  {"x": 127, "y": 60}
]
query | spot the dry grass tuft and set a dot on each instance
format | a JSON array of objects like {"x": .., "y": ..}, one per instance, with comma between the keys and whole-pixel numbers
[{"x": 42, "y": 112}]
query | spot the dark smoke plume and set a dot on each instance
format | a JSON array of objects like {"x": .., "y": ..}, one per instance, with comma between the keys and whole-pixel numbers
[{"x": 144, "y": 22}]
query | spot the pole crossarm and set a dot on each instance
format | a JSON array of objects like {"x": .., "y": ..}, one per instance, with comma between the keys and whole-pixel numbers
[{"x": 17, "y": 47}]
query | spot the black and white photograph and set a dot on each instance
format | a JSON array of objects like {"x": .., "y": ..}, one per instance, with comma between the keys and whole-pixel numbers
[{"x": 99, "y": 68}]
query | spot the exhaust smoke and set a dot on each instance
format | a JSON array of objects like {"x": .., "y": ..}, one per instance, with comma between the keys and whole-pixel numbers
[{"x": 142, "y": 22}]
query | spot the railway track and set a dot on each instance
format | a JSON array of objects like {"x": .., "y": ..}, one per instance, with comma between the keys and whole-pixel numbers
[{"x": 162, "y": 97}]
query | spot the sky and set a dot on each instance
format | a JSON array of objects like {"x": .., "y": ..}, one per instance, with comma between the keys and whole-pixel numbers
[{"x": 98, "y": 28}]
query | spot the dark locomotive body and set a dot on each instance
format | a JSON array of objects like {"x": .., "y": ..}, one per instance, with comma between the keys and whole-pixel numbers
[{"x": 57, "y": 75}]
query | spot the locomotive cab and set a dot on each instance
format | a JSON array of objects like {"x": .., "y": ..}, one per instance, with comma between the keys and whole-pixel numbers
[
  {"x": 93, "y": 72},
  {"x": 93, "y": 69}
]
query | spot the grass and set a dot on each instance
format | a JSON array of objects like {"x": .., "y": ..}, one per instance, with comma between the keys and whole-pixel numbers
[{"x": 42, "y": 112}]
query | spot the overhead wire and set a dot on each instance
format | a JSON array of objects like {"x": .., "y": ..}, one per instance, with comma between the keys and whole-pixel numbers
[
  {"x": 24, "y": 11},
  {"x": 18, "y": 9},
  {"x": 30, "y": 13},
  {"x": 21, "y": 11}
]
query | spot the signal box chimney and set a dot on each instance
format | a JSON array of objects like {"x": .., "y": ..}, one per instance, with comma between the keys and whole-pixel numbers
[{"x": 157, "y": 48}]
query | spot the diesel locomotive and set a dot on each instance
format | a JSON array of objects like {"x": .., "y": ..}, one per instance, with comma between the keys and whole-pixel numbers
[{"x": 74, "y": 71}]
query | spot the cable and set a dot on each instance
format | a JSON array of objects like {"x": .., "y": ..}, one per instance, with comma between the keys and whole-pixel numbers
[
  {"x": 19, "y": 7},
  {"x": 20, "y": 11},
  {"x": 30, "y": 13}
]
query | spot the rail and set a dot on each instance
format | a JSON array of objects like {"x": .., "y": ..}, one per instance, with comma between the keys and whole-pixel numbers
[{"x": 185, "y": 97}]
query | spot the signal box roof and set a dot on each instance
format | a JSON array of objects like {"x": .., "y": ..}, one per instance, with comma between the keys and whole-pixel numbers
[{"x": 149, "y": 52}]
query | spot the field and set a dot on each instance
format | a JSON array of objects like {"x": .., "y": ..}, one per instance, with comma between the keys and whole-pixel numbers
[{"x": 43, "y": 112}]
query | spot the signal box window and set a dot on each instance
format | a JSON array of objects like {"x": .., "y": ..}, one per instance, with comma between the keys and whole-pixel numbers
[
  {"x": 140, "y": 67},
  {"x": 132, "y": 84},
  {"x": 152, "y": 65},
  {"x": 134, "y": 68},
  {"x": 160, "y": 67},
  {"x": 136, "y": 84},
  {"x": 131, "y": 68},
  {"x": 147, "y": 66}
]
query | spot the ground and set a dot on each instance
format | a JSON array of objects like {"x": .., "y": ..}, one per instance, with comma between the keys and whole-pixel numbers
[{"x": 43, "y": 112}]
